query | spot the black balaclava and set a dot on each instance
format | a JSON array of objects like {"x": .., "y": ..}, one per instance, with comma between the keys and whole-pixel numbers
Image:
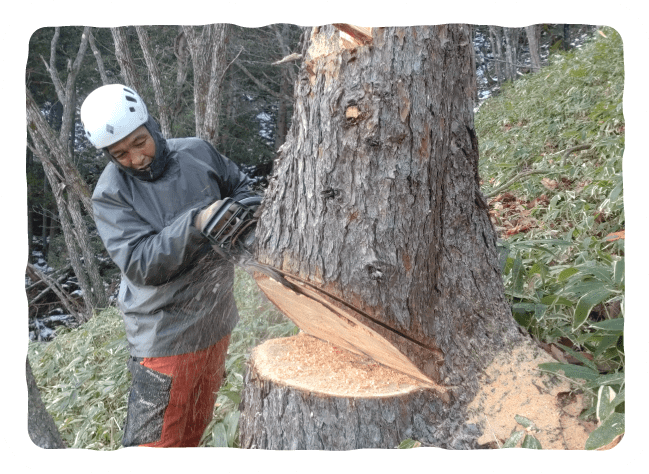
[{"x": 159, "y": 163}]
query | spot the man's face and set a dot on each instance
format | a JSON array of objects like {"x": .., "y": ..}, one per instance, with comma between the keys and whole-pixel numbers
[{"x": 136, "y": 150}]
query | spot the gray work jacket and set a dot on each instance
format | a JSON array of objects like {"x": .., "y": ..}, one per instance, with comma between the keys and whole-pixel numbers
[{"x": 176, "y": 292}]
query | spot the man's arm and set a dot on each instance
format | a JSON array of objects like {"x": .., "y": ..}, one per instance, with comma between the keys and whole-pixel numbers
[{"x": 145, "y": 256}]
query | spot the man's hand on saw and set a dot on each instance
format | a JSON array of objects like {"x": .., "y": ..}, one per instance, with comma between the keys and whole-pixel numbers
[{"x": 204, "y": 216}]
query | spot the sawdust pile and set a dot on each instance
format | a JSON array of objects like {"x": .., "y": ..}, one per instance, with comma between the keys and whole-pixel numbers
[
  {"x": 308, "y": 363},
  {"x": 515, "y": 386}
]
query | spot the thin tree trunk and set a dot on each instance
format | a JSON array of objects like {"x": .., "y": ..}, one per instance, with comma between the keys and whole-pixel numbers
[
  {"x": 534, "y": 37},
  {"x": 154, "y": 73},
  {"x": 209, "y": 62},
  {"x": 66, "y": 180},
  {"x": 566, "y": 37},
  {"x": 40, "y": 130},
  {"x": 496, "y": 48},
  {"x": 99, "y": 59},
  {"x": 182, "y": 54},
  {"x": 125, "y": 60},
  {"x": 511, "y": 52}
]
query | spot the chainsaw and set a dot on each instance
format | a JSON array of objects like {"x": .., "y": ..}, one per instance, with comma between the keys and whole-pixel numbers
[{"x": 231, "y": 232}]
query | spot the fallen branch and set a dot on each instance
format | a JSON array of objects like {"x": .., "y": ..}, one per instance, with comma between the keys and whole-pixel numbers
[
  {"x": 520, "y": 175},
  {"x": 69, "y": 304},
  {"x": 572, "y": 150},
  {"x": 37, "y": 279}
]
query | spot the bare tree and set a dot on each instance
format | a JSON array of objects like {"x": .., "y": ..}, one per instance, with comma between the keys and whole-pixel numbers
[
  {"x": 125, "y": 59},
  {"x": 156, "y": 81},
  {"x": 534, "y": 40},
  {"x": 495, "y": 37},
  {"x": 511, "y": 52},
  {"x": 70, "y": 191},
  {"x": 208, "y": 53}
]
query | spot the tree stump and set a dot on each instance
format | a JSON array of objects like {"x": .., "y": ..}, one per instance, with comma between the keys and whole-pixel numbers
[{"x": 304, "y": 393}]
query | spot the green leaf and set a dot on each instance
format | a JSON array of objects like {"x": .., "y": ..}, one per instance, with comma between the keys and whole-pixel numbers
[
  {"x": 586, "y": 304},
  {"x": 570, "y": 371},
  {"x": 526, "y": 422},
  {"x": 618, "y": 271},
  {"x": 530, "y": 442},
  {"x": 233, "y": 395},
  {"x": 580, "y": 357},
  {"x": 610, "y": 428},
  {"x": 514, "y": 439},
  {"x": 555, "y": 299},
  {"x": 606, "y": 342},
  {"x": 619, "y": 398},
  {"x": 610, "y": 379},
  {"x": 539, "y": 311},
  {"x": 567, "y": 273},
  {"x": 409, "y": 444},
  {"x": 232, "y": 423},
  {"x": 614, "y": 326},
  {"x": 605, "y": 395},
  {"x": 219, "y": 435},
  {"x": 518, "y": 274}
]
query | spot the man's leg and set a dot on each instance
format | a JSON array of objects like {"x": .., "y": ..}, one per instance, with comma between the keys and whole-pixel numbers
[
  {"x": 205, "y": 393},
  {"x": 161, "y": 403}
]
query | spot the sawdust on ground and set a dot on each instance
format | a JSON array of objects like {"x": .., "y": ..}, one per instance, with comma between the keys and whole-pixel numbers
[
  {"x": 515, "y": 386},
  {"x": 308, "y": 363}
]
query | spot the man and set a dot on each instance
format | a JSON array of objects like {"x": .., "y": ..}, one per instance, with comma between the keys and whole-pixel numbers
[{"x": 176, "y": 293}]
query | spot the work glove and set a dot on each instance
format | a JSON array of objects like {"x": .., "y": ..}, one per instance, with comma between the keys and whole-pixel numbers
[{"x": 204, "y": 216}]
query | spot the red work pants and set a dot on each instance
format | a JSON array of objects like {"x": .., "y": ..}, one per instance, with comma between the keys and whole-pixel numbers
[{"x": 195, "y": 380}]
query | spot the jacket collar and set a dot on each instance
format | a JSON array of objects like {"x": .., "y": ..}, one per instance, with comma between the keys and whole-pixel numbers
[{"x": 160, "y": 161}]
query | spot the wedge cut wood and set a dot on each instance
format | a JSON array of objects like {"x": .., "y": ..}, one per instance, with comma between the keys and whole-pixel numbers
[{"x": 322, "y": 317}]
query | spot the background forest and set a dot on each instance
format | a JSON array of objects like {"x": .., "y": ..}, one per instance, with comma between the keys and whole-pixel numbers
[{"x": 551, "y": 134}]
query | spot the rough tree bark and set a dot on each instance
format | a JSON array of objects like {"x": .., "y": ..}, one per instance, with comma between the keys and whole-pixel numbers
[{"x": 375, "y": 199}]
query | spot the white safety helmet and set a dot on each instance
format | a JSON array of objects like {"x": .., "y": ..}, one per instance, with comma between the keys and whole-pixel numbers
[{"x": 110, "y": 113}]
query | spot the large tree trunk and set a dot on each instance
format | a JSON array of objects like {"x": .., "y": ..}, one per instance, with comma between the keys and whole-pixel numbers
[
  {"x": 379, "y": 200},
  {"x": 375, "y": 200}
]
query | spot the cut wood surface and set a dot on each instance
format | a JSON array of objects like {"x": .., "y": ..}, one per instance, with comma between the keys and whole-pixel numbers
[
  {"x": 304, "y": 393},
  {"x": 338, "y": 324}
]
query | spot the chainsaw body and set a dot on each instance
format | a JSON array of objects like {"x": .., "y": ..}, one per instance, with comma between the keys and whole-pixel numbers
[
  {"x": 231, "y": 231},
  {"x": 235, "y": 224}
]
